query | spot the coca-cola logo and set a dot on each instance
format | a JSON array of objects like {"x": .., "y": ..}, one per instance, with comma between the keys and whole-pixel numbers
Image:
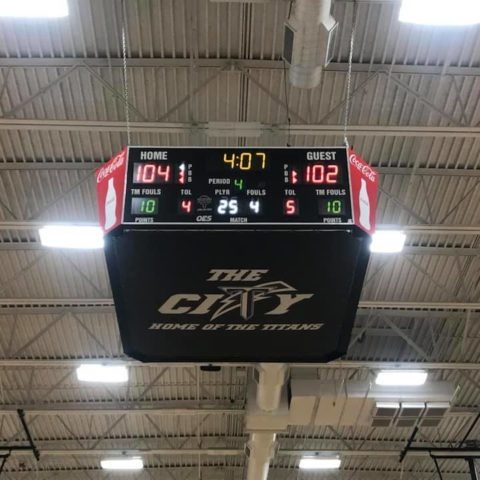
[
  {"x": 111, "y": 166},
  {"x": 365, "y": 169}
]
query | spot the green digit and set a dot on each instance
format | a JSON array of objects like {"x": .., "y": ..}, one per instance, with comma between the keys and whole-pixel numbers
[
  {"x": 142, "y": 206},
  {"x": 337, "y": 206},
  {"x": 150, "y": 206},
  {"x": 239, "y": 184},
  {"x": 329, "y": 205}
]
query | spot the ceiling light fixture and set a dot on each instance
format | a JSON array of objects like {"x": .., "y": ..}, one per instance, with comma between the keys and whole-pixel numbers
[
  {"x": 440, "y": 12},
  {"x": 387, "y": 407},
  {"x": 319, "y": 463},
  {"x": 388, "y": 241},
  {"x": 125, "y": 463},
  {"x": 71, "y": 236},
  {"x": 33, "y": 8},
  {"x": 401, "y": 378},
  {"x": 102, "y": 373}
]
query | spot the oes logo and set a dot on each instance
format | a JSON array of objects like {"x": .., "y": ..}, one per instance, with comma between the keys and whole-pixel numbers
[{"x": 204, "y": 218}]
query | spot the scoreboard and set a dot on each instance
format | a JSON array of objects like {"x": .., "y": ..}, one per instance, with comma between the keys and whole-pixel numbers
[
  {"x": 237, "y": 186},
  {"x": 236, "y": 254},
  {"x": 212, "y": 186}
]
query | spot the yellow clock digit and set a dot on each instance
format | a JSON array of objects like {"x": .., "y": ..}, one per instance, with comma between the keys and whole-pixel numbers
[
  {"x": 231, "y": 161},
  {"x": 263, "y": 156},
  {"x": 245, "y": 161}
]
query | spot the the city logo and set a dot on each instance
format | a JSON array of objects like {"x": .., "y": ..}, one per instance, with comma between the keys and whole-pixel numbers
[{"x": 243, "y": 298}]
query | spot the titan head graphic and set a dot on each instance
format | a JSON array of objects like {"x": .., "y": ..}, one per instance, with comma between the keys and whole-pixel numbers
[{"x": 244, "y": 298}]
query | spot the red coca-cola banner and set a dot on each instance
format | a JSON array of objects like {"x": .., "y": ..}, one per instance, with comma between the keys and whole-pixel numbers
[
  {"x": 110, "y": 191},
  {"x": 364, "y": 186}
]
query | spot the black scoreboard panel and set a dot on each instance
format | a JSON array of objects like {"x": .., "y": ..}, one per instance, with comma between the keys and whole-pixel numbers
[
  {"x": 236, "y": 254},
  {"x": 236, "y": 295},
  {"x": 237, "y": 186}
]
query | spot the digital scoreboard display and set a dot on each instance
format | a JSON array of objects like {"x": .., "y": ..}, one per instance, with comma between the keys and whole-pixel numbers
[
  {"x": 237, "y": 186},
  {"x": 236, "y": 254}
]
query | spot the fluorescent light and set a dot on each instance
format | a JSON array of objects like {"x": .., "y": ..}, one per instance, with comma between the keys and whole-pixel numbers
[
  {"x": 71, "y": 236},
  {"x": 440, "y": 12},
  {"x": 33, "y": 8},
  {"x": 388, "y": 241},
  {"x": 388, "y": 405},
  {"x": 102, "y": 373},
  {"x": 319, "y": 463},
  {"x": 401, "y": 378},
  {"x": 127, "y": 463}
]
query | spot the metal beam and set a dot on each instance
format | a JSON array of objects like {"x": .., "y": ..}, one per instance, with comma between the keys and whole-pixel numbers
[
  {"x": 76, "y": 164},
  {"x": 103, "y": 408},
  {"x": 71, "y": 363},
  {"x": 449, "y": 251},
  {"x": 368, "y": 304},
  {"x": 251, "y": 64},
  {"x": 442, "y": 229},
  {"x": 54, "y": 165},
  {"x": 429, "y": 172},
  {"x": 159, "y": 409},
  {"x": 34, "y": 306},
  {"x": 52, "y": 83},
  {"x": 420, "y": 229},
  {"x": 228, "y": 470},
  {"x": 424, "y": 452},
  {"x": 378, "y": 305},
  {"x": 458, "y": 252},
  {"x": 104, "y": 452},
  {"x": 239, "y": 129},
  {"x": 375, "y": 365}
]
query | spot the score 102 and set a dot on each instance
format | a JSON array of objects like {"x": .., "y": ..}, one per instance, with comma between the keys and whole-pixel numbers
[{"x": 313, "y": 174}]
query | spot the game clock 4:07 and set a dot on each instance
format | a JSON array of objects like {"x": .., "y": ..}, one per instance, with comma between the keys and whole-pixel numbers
[
  {"x": 237, "y": 185},
  {"x": 243, "y": 161}
]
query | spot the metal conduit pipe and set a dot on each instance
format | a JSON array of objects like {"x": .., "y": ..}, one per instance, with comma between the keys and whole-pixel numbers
[
  {"x": 261, "y": 445},
  {"x": 310, "y": 30}
]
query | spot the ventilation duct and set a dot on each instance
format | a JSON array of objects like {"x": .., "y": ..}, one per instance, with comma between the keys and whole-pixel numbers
[
  {"x": 265, "y": 416},
  {"x": 270, "y": 378},
  {"x": 349, "y": 403},
  {"x": 260, "y": 450},
  {"x": 309, "y": 37}
]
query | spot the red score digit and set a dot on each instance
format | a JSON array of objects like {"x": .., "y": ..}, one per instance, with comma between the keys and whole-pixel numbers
[
  {"x": 290, "y": 206},
  {"x": 321, "y": 174},
  {"x": 332, "y": 174},
  {"x": 146, "y": 173},
  {"x": 152, "y": 173},
  {"x": 186, "y": 206},
  {"x": 163, "y": 172},
  {"x": 314, "y": 174}
]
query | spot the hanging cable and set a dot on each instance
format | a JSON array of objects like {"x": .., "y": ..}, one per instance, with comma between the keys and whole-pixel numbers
[
  {"x": 289, "y": 121},
  {"x": 349, "y": 74},
  {"x": 125, "y": 74}
]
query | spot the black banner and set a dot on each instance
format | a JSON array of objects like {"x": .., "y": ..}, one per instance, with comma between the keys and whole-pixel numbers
[{"x": 207, "y": 296}]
